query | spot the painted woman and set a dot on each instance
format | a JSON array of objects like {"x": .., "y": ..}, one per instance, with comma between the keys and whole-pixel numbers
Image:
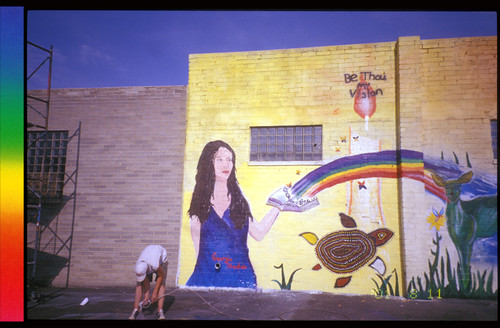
[{"x": 221, "y": 221}]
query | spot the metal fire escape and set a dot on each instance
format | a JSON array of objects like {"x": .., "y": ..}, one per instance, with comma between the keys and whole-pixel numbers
[{"x": 49, "y": 239}]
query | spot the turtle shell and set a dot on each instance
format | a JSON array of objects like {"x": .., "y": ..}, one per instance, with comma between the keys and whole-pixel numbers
[{"x": 347, "y": 250}]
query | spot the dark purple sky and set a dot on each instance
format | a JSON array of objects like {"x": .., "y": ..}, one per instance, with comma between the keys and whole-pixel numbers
[{"x": 150, "y": 48}]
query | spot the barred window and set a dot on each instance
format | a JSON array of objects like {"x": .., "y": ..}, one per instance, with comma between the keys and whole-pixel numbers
[
  {"x": 494, "y": 136},
  {"x": 286, "y": 143},
  {"x": 54, "y": 144}
]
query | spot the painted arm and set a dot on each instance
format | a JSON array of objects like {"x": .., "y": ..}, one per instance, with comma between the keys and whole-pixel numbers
[
  {"x": 195, "y": 234},
  {"x": 258, "y": 230}
]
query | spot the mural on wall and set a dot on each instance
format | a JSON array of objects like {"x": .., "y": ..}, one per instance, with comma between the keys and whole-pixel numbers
[
  {"x": 285, "y": 284},
  {"x": 469, "y": 213},
  {"x": 221, "y": 221},
  {"x": 470, "y": 223},
  {"x": 469, "y": 209},
  {"x": 461, "y": 217},
  {"x": 364, "y": 199},
  {"x": 365, "y": 98},
  {"x": 346, "y": 251},
  {"x": 469, "y": 220},
  {"x": 219, "y": 236},
  {"x": 357, "y": 247}
]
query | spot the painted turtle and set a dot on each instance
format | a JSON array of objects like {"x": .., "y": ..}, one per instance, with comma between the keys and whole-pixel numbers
[{"x": 345, "y": 251}]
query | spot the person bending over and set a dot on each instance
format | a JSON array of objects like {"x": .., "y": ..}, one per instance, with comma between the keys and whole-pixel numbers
[{"x": 153, "y": 259}]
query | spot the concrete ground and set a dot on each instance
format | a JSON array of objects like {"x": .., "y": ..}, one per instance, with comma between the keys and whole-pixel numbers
[{"x": 203, "y": 304}]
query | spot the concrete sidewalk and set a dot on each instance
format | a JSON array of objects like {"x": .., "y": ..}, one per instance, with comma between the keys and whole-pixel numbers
[{"x": 203, "y": 304}]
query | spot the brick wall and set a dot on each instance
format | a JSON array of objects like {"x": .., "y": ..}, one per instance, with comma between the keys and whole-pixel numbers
[
  {"x": 459, "y": 93},
  {"x": 129, "y": 178}
]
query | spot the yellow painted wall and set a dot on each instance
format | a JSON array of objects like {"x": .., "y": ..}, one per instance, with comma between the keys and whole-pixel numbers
[
  {"x": 432, "y": 96},
  {"x": 230, "y": 92}
]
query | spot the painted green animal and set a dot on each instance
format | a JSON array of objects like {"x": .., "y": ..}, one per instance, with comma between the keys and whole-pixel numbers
[{"x": 468, "y": 220}]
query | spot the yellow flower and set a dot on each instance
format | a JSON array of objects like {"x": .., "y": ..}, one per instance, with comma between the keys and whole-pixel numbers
[{"x": 436, "y": 219}]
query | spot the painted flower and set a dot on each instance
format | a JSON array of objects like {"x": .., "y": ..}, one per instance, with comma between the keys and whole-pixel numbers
[{"x": 436, "y": 219}]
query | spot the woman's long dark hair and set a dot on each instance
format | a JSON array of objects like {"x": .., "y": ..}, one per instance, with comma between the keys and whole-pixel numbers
[{"x": 204, "y": 187}]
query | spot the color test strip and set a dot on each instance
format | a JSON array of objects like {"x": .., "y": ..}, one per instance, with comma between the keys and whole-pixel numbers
[{"x": 11, "y": 163}]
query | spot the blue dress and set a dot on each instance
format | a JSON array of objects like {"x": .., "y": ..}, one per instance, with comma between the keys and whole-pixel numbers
[{"x": 223, "y": 255}]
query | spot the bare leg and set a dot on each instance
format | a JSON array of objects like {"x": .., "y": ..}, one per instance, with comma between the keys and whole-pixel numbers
[
  {"x": 138, "y": 295},
  {"x": 137, "y": 299},
  {"x": 161, "y": 292}
]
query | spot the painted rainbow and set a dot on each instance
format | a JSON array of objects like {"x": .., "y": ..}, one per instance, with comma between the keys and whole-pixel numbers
[{"x": 384, "y": 164}]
